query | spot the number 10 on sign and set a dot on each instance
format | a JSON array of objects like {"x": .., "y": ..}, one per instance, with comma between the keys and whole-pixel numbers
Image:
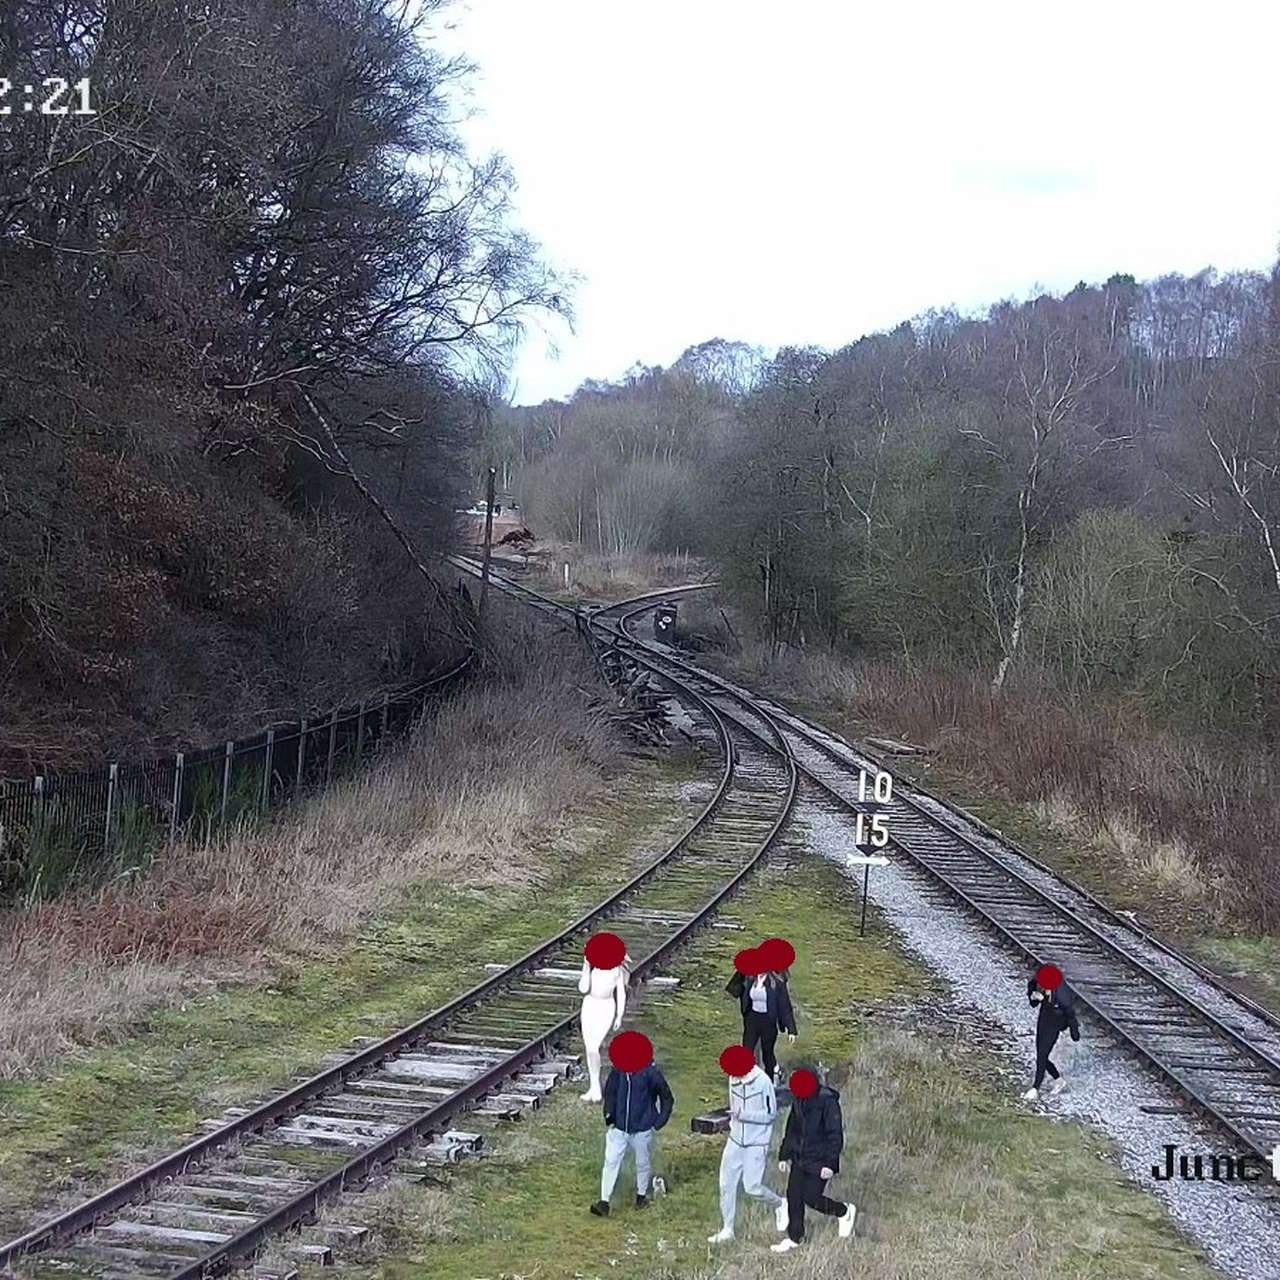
[{"x": 873, "y": 824}]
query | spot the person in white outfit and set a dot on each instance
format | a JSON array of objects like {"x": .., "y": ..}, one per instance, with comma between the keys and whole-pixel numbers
[
  {"x": 603, "y": 984},
  {"x": 753, "y": 1107}
]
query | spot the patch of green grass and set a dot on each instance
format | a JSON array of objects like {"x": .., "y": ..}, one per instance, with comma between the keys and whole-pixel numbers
[
  {"x": 101, "y": 1114},
  {"x": 1254, "y": 961},
  {"x": 950, "y": 1175}
]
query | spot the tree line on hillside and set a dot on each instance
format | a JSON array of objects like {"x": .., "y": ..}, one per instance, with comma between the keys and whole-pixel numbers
[
  {"x": 1084, "y": 488},
  {"x": 264, "y": 262}
]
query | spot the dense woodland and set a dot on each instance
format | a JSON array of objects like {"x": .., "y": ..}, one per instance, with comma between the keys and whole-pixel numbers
[
  {"x": 1083, "y": 490},
  {"x": 265, "y": 263}
]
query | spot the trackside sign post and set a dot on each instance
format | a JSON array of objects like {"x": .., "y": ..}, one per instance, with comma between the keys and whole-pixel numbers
[{"x": 866, "y": 861}]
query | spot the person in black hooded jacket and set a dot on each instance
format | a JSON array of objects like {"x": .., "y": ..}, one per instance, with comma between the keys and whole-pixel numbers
[
  {"x": 810, "y": 1156},
  {"x": 1057, "y": 1014}
]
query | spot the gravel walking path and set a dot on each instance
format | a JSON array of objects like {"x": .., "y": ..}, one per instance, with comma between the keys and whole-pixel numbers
[{"x": 1238, "y": 1226}]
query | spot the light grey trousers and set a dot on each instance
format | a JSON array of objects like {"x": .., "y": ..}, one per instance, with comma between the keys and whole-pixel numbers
[
  {"x": 616, "y": 1144},
  {"x": 745, "y": 1165}
]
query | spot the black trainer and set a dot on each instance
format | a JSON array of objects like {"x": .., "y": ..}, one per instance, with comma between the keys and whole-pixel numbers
[
  {"x": 600, "y": 1208},
  {"x": 642, "y": 1202}
]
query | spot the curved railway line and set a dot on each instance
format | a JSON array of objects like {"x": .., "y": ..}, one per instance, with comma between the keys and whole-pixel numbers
[
  {"x": 217, "y": 1201},
  {"x": 1225, "y": 1061},
  {"x": 493, "y": 1046}
]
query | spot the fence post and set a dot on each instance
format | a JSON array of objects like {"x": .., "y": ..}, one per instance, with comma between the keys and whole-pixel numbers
[
  {"x": 38, "y": 787},
  {"x": 176, "y": 811},
  {"x": 266, "y": 769},
  {"x": 111, "y": 804},
  {"x": 360, "y": 733},
  {"x": 302, "y": 752},
  {"x": 386, "y": 698},
  {"x": 333, "y": 738},
  {"x": 226, "y": 779}
]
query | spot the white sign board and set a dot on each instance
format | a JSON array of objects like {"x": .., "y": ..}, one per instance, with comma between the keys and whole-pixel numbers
[{"x": 867, "y": 860}]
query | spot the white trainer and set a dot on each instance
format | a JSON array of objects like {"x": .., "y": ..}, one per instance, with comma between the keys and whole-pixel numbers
[
  {"x": 720, "y": 1236},
  {"x": 781, "y": 1217},
  {"x": 1031, "y": 1095},
  {"x": 784, "y": 1246},
  {"x": 590, "y": 1097},
  {"x": 845, "y": 1223},
  {"x": 1059, "y": 1086}
]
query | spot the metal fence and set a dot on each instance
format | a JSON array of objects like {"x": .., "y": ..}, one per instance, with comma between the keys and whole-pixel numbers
[{"x": 64, "y": 824}]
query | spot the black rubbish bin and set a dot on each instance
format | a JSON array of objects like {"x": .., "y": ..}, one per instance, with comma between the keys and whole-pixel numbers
[{"x": 664, "y": 622}]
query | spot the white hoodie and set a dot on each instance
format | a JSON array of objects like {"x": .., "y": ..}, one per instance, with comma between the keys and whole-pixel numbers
[{"x": 757, "y": 1109}]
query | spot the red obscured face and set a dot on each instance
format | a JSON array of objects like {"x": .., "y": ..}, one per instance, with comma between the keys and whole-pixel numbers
[
  {"x": 604, "y": 950},
  {"x": 631, "y": 1051},
  {"x": 803, "y": 1084},
  {"x": 737, "y": 1060}
]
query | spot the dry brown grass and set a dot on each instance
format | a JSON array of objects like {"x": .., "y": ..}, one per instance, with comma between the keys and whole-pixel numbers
[
  {"x": 594, "y": 575},
  {"x": 469, "y": 800},
  {"x": 1196, "y": 818}
]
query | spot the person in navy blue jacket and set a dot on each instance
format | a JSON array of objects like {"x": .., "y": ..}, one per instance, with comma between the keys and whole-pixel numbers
[{"x": 637, "y": 1103}]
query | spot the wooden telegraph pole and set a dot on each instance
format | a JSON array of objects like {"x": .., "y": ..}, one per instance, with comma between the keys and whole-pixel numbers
[{"x": 488, "y": 536}]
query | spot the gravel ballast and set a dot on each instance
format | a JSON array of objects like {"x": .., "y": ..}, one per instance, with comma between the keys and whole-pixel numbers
[{"x": 1238, "y": 1226}]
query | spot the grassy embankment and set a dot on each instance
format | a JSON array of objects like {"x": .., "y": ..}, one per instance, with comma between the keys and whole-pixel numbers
[
  {"x": 127, "y": 1017},
  {"x": 951, "y": 1175}
]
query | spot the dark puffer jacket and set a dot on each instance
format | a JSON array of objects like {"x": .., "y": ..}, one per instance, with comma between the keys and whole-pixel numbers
[
  {"x": 1057, "y": 1013},
  {"x": 637, "y": 1100},
  {"x": 814, "y": 1136}
]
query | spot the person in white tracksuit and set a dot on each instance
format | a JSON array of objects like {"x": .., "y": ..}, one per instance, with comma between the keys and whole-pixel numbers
[{"x": 753, "y": 1107}]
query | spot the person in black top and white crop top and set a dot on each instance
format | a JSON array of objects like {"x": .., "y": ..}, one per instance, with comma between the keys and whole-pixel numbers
[{"x": 766, "y": 1007}]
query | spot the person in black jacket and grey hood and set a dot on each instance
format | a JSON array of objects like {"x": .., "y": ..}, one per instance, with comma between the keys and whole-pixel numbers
[{"x": 810, "y": 1156}]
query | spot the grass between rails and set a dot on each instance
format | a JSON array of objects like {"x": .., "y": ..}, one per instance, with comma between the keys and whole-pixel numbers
[
  {"x": 951, "y": 1176},
  {"x": 103, "y": 1110}
]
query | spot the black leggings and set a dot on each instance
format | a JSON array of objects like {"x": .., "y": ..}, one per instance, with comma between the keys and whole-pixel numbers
[
  {"x": 807, "y": 1189},
  {"x": 759, "y": 1028},
  {"x": 1043, "y": 1050}
]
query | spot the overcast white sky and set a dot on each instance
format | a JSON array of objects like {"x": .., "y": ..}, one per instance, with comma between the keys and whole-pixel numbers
[{"x": 813, "y": 170}]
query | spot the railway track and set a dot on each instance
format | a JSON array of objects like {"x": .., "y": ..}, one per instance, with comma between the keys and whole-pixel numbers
[
  {"x": 1224, "y": 1059},
  {"x": 493, "y": 1046},
  {"x": 215, "y": 1203}
]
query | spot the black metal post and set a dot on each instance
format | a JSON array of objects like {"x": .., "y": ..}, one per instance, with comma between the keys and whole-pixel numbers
[{"x": 866, "y": 880}]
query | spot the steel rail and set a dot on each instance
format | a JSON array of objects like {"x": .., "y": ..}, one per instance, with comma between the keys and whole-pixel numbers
[
  {"x": 124, "y": 1192},
  {"x": 356, "y": 1170},
  {"x": 1094, "y": 936},
  {"x": 1114, "y": 917},
  {"x": 73, "y": 1222},
  {"x": 805, "y": 729}
]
